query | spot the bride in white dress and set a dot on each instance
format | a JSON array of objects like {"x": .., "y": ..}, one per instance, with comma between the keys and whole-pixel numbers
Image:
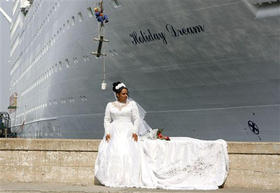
[{"x": 128, "y": 160}]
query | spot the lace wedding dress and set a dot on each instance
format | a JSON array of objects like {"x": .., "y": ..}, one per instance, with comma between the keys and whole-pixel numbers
[{"x": 182, "y": 163}]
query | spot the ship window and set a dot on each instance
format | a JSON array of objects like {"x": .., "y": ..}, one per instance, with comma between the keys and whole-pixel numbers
[
  {"x": 85, "y": 58},
  {"x": 83, "y": 98},
  {"x": 68, "y": 23},
  {"x": 80, "y": 16},
  {"x": 90, "y": 12},
  {"x": 73, "y": 20},
  {"x": 52, "y": 69},
  {"x": 63, "y": 101},
  {"x": 116, "y": 3},
  {"x": 75, "y": 60},
  {"x": 71, "y": 99},
  {"x": 55, "y": 69},
  {"x": 60, "y": 65},
  {"x": 67, "y": 63}
]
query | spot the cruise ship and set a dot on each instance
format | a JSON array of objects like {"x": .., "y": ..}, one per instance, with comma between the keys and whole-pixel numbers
[{"x": 201, "y": 69}]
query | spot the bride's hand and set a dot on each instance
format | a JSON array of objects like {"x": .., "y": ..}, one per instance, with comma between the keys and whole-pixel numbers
[
  {"x": 108, "y": 137},
  {"x": 135, "y": 136}
]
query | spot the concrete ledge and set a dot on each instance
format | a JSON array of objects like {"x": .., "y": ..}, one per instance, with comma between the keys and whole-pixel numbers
[
  {"x": 254, "y": 165},
  {"x": 18, "y": 144},
  {"x": 270, "y": 148}
]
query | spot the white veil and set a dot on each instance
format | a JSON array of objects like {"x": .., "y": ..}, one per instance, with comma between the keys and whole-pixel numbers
[{"x": 144, "y": 127}]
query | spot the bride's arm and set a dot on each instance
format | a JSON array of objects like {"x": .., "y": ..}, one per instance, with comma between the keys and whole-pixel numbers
[
  {"x": 107, "y": 121},
  {"x": 136, "y": 120}
]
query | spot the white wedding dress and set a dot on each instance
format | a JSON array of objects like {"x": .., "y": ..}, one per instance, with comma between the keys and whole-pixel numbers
[{"x": 181, "y": 163}]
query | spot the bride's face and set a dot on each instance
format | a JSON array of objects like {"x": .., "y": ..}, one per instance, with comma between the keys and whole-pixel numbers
[{"x": 122, "y": 96}]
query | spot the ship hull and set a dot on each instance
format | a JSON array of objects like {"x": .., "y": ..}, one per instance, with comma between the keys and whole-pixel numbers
[{"x": 200, "y": 69}]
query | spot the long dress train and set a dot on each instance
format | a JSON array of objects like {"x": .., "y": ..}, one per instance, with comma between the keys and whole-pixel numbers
[{"x": 182, "y": 163}]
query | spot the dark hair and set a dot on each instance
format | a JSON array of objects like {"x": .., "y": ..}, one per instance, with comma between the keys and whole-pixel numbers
[{"x": 118, "y": 90}]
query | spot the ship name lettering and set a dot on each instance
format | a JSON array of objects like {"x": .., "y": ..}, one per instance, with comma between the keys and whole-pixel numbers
[
  {"x": 147, "y": 36},
  {"x": 175, "y": 32}
]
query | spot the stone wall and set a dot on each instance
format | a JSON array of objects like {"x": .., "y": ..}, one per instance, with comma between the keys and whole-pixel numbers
[
  {"x": 252, "y": 165},
  {"x": 48, "y": 160}
]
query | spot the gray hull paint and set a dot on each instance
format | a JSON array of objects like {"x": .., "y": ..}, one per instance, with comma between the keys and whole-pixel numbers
[{"x": 205, "y": 85}]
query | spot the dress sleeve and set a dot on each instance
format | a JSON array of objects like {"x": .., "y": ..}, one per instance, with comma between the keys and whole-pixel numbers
[
  {"x": 135, "y": 117},
  {"x": 107, "y": 119}
]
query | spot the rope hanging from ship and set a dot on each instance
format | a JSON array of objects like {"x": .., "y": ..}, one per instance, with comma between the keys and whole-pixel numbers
[{"x": 101, "y": 18}]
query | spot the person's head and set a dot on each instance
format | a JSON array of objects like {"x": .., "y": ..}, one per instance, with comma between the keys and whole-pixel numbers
[{"x": 121, "y": 91}]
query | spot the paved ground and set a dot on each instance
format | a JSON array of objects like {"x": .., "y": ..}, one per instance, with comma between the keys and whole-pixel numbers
[{"x": 54, "y": 188}]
